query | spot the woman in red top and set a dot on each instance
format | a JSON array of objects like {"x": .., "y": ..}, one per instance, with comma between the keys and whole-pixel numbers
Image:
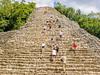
[{"x": 74, "y": 45}]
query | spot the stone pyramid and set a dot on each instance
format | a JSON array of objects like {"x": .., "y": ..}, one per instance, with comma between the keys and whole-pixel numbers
[{"x": 21, "y": 52}]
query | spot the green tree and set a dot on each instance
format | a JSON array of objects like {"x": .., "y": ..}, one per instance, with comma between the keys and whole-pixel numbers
[
  {"x": 88, "y": 22},
  {"x": 14, "y": 14}
]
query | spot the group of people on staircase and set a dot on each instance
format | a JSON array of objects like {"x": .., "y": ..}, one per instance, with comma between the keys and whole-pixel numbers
[{"x": 55, "y": 47}]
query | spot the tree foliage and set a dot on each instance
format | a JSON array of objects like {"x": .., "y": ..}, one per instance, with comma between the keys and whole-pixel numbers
[
  {"x": 89, "y": 23},
  {"x": 14, "y": 14}
]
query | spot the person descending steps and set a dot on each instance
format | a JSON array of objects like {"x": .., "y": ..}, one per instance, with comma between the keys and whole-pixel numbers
[
  {"x": 55, "y": 50},
  {"x": 53, "y": 54}
]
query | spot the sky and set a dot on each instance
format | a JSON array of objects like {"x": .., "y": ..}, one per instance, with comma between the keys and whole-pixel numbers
[{"x": 86, "y": 6}]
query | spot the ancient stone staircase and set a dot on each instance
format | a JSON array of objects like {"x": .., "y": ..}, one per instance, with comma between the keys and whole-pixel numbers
[{"x": 21, "y": 52}]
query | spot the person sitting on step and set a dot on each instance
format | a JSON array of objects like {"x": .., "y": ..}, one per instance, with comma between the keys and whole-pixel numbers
[
  {"x": 44, "y": 28},
  {"x": 43, "y": 45},
  {"x": 51, "y": 39},
  {"x": 59, "y": 26},
  {"x": 49, "y": 25},
  {"x": 63, "y": 59},
  {"x": 60, "y": 34}
]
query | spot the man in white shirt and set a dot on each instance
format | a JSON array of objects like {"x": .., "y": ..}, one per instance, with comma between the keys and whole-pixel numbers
[{"x": 54, "y": 52}]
